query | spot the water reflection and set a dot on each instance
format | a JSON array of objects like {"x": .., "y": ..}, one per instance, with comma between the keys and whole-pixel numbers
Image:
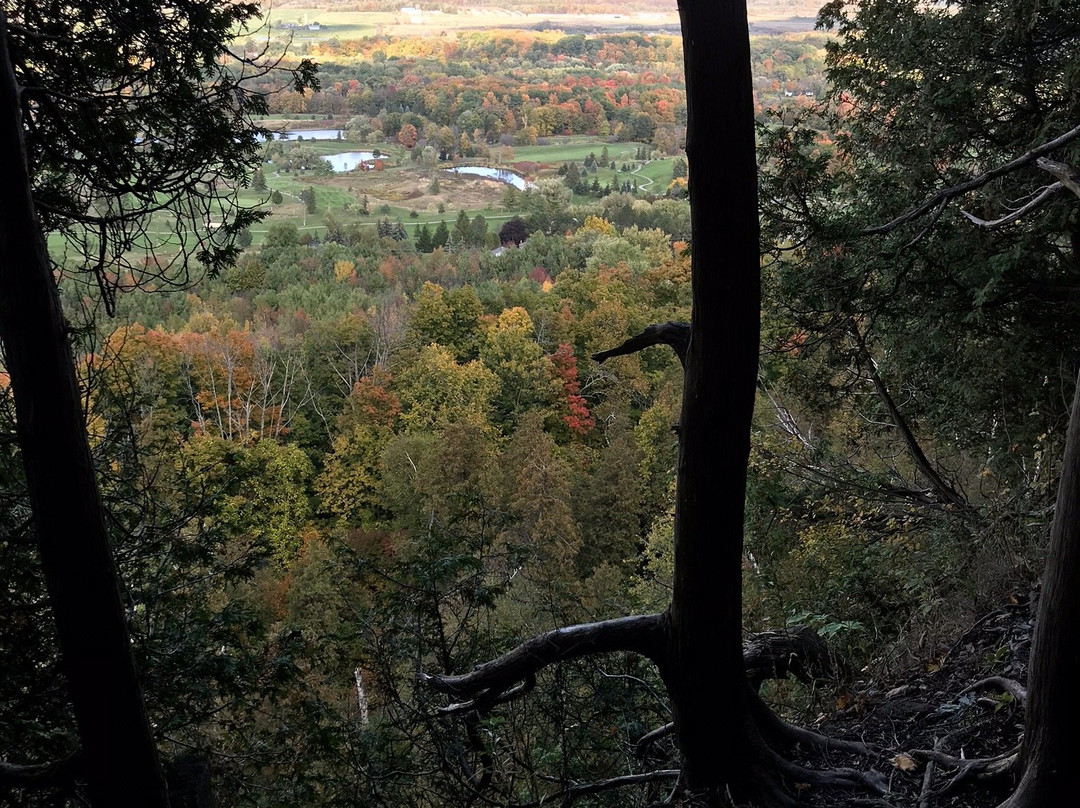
[
  {"x": 500, "y": 174},
  {"x": 347, "y": 161}
]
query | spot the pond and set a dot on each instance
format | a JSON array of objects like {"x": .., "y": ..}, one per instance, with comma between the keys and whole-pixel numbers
[
  {"x": 499, "y": 174},
  {"x": 311, "y": 134},
  {"x": 347, "y": 161}
]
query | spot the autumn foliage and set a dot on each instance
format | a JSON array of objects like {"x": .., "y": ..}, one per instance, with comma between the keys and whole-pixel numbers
[{"x": 577, "y": 417}]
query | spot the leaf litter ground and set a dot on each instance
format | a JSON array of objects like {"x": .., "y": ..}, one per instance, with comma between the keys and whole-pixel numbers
[{"x": 928, "y": 708}]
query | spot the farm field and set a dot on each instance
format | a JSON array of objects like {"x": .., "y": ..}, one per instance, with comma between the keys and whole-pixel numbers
[
  {"x": 312, "y": 23},
  {"x": 403, "y": 189}
]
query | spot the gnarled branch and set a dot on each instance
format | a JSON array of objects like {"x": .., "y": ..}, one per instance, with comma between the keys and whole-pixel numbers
[
  {"x": 1066, "y": 174},
  {"x": 641, "y": 634},
  {"x": 942, "y": 488},
  {"x": 799, "y": 652},
  {"x": 1010, "y": 686},
  {"x": 677, "y": 335},
  {"x": 651, "y": 737}
]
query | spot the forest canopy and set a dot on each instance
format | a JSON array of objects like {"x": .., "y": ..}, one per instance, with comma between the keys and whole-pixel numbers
[{"x": 349, "y": 439}]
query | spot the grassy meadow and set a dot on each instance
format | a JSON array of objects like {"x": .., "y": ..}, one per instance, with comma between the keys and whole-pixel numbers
[{"x": 403, "y": 190}]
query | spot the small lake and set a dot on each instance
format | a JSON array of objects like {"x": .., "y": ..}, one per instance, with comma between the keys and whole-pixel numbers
[
  {"x": 347, "y": 161},
  {"x": 311, "y": 134},
  {"x": 499, "y": 174}
]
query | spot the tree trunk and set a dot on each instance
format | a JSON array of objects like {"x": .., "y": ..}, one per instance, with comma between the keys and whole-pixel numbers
[
  {"x": 1053, "y": 700},
  {"x": 119, "y": 759},
  {"x": 704, "y": 674}
]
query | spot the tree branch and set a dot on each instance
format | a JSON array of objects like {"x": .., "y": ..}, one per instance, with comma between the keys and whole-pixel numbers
[
  {"x": 651, "y": 737},
  {"x": 947, "y": 194},
  {"x": 1066, "y": 174},
  {"x": 40, "y": 775},
  {"x": 1024, "y": 209},
  {"x": 677, "y": 335},
  {"x": 640, "y": 634},
  {"x": 798, "y": 651},
  {"x": 944, "y": 489},
  {"x": 571, "y": 793}
]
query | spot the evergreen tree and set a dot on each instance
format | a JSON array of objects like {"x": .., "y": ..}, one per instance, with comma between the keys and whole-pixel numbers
[
  {"x": 572, "y": 176},
  {"x": 462, "y": 231},
  {"x": 423, "y": 239},
  {"x": 258, "y": 181},
  {"x": 440, "y": 236},
  {"x": 478, "y": 230}
]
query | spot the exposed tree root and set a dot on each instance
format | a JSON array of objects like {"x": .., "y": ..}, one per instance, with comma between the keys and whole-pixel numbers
[
  {"x": 1010, "y": 686},
  {"x": 928, "y": 778},
  {"x": 799, "y": 652},
  {"x": 780, "y": 733},
  {"x": 870, "y": 780},
  {"x": 969, "y": 769},
  {"x": 770, "y": 779}
]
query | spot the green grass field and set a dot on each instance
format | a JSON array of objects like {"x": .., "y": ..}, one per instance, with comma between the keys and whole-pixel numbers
[
  {"x": 564, "y": 149},
  {"x": 402, "y": 191}
]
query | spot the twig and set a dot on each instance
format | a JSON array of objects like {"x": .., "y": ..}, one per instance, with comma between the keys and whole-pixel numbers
[{"x": 928, "y": 777}]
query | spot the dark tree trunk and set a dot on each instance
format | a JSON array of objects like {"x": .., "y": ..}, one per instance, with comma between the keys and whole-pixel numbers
[
  {"x": 726, "y": 735},
  {"x": 119, "y": 760},
  {"x": 1053, "y": 699},
  {"x": 704, "y": 671}
]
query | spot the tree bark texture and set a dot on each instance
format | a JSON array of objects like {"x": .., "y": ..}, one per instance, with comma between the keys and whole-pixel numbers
[
  {"x": 120, "y": 763},
  {"x": 704, "y": 669},
  {"x": 1053, "y": 699}
]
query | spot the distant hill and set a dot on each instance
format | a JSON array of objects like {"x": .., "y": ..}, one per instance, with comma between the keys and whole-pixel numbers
[{"x": 757, "y": 9}]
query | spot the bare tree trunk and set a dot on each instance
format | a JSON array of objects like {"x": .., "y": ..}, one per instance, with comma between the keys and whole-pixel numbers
[
  {"x": 119, "y": 759},
  {"x": 1053, "y": 701},
  {"x": 704, "y": 671}
]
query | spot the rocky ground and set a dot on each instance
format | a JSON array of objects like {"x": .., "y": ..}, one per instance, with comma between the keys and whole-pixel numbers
[{"x": 932, "y": 708}]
